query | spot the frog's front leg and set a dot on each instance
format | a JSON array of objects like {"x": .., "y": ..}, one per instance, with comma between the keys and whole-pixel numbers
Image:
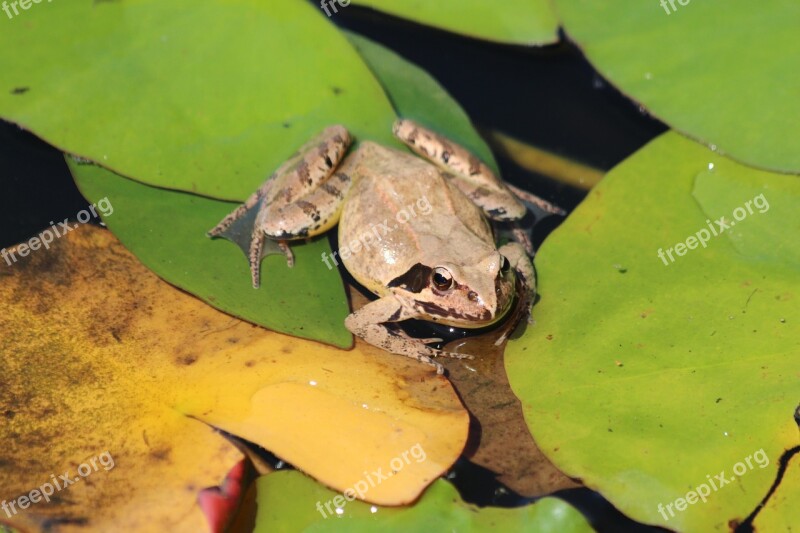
[
  {"x": 301, "y": 199},
  {"x": 467, "y": 172},
  {"x": 518, "y": 258},
  {"x": 369, "y": 324}
]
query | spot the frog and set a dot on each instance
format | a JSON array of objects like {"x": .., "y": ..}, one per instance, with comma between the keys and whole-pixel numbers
[{"x": 439, "y": 264}]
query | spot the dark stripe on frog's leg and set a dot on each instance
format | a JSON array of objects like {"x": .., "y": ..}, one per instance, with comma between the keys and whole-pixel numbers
[
  {"x": 311, "y": 214},
  {"x": 302, "y": 173},
  {"x": 430, "y": 308},
  {"x": 309, "y": 210},
  {"x": 465, "y": 170},
  {"x": 331, "y": 190}
]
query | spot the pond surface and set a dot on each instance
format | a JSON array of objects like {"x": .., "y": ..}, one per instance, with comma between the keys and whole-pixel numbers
[{"x": 548, "y": 97}]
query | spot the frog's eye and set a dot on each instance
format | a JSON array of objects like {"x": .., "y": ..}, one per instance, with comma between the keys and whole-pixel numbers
[
  {"x": 442, "y": 278},
  {"x": 505, "y": 266}
]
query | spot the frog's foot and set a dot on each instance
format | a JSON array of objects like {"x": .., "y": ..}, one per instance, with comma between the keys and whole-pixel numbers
[
  {"x": 454, "y": 355},
  {"x": 431, "y": 340},
  {"x": 531, "y": 198},
  {"x": 370, "y": 321},
  {"x": 239, "y": 228},
  {"x": 428, "y": 361},
  {"x": 466, "y": 171}
]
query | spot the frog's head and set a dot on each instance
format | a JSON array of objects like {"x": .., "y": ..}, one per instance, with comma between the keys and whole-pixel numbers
[{"x": 465, "y": 296}]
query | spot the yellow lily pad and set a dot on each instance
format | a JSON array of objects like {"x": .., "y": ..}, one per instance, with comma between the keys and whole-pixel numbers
[{"x": 99, "y": 355}]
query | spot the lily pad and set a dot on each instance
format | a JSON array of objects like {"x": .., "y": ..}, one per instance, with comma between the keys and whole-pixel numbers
[
  {"x": 208, "y": 100},
  {"x": 148, "y": 372},
  {"x": 289, "y": 501},
  {"x": 166, "y": 231},
  {"x": 735, "y": 89},
  {"x": 646, "y": 377},
  {"x": 416, "y": 95},
  {"x": 525, "y": 22}
]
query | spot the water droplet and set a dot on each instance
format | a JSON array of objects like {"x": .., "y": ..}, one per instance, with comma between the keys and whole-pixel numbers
[
  {"x": 713, "y": 147},
  {"x": 339, "y": 511},
  {"x": 648, "y": 75},
  {"x": 730, "y": 317},
  {"x": 783, "y": 320},
  {"x": 725, "y": 433},
  {"x": 711, "y": 166},
  {"x": 312, "y": 383},
  {"x": 373, "y": 509}
]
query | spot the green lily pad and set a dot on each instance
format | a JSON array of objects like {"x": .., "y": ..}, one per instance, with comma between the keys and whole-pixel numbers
[
  {"x": 166, "y": 231},
  {"x": 416, "y": 95},
  {"x": 647, "y": 377},
  {"x": 718, "y": 71},
  {"x": 290, "y": 501},
  {"x": 525, "y": 22},
  {"x": 208, "y": 100}
]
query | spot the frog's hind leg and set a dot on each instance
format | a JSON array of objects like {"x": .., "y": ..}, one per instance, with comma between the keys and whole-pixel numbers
[
  {"x": 299, "y": 200},
  {"x": 467, "y": 172}
]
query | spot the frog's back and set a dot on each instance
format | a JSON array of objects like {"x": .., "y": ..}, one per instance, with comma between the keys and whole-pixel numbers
[{"x": 401, "y": 210}]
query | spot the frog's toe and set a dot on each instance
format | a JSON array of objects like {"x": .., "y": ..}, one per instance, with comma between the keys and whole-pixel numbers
[
  {"x": 287, "y": 252},
  {"x": 454, "y": 355},
  {"x": 403, "y": 334}
]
